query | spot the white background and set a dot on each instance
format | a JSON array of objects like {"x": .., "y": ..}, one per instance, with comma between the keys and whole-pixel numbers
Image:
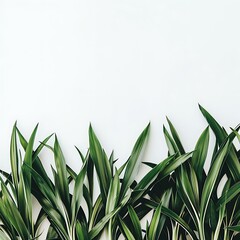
[{"x": 118, "y": 64}]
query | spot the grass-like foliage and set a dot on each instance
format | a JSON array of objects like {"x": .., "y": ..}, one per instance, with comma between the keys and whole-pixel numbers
[{"x": 176, "y": 198}]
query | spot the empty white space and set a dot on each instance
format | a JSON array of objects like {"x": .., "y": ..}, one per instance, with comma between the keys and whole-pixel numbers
[{"x": 117, "y": 64}]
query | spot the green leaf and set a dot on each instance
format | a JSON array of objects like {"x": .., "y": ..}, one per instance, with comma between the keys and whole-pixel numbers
[
  {"x": 14, "y": 157},
  {"x": 235, "y": 228},
  {"x": 36, "y": 163},
  {"x": 28, "y": 154},
  {"x": 176, "y": 137},
  {"x": 113, "y": 194},
  {"x": 78, "y": 191},
  {"x": 137, "y": 230},
  {"x": 172, "y": 215},
  {"x": 81, "y": 232},
  {"x": 186, "y": 190},
  {"x": 52, "y": 234},
  {"x": 90, "y": 168},
  {"x": 61, "y": 173},
  {"x": 232, "y": 192},
  {"x": 126, "y": 231},
  {"x": 96, "y": 210},
  {"x": 101, "y": 224},
  {"x": 133, "y": 162},
  {"x": 10, "y": 211},
  {"x": 41, "y": 217},
  {"x": 169, "y": 213},
  {"x": 155, "y": 171},
  {"x": 24, "y": 186},
  {"x": 200, "y": 153},
  {"x": 172, "y": 147},
  {"x": 211, "y": 179},
  {"x": 159, "y": 172},
  {"x": 233, "y": 162},
  {"x": 218, "y": 131},
  {"x": 102, "y": 165},
  {"x": 40, "y": 147},
  {"x": 153, "y": 230},
  {"x": 44, "y": 188}
]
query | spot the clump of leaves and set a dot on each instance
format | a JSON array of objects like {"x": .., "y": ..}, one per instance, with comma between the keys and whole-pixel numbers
[
  {"x": 176, "y": 199},
  {"x": 16, "y": 210}
]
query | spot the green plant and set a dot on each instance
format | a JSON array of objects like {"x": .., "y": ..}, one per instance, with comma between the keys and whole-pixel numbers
[
  {"x": 16, "y": 211},
  {"x": 176, "y": 198}
]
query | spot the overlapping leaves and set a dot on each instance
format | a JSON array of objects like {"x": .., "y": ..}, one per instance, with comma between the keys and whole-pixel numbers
[{"x": 176, "y": 198}]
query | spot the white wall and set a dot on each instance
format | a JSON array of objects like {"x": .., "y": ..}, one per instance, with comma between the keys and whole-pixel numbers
[{"x": 117, "y": 64}]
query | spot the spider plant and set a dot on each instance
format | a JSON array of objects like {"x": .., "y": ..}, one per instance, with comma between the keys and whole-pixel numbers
[
  {"x": 113, "y": 192},
  {"x": 67, "y": 218},
  {"x": 62, "y": 208},
  {"x": 195, "y": 190},
  {"x": 176, "y": 199},
  {"x": 194, "y": 208},
  {"x": 16, "y": 210}
]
